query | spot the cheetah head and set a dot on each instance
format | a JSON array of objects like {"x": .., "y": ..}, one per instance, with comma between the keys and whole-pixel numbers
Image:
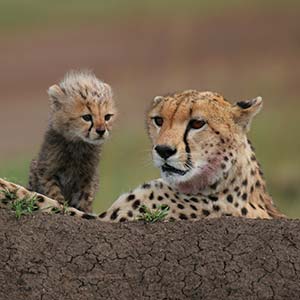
[
  {"x": 82, "y": 108},
  {"x": 197, "y": 137}
]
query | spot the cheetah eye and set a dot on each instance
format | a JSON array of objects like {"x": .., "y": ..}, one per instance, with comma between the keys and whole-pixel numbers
[
  {"x": 197, "y": 124},
  {"x": 158, "y": 121},
  {"x": 87, "y": 118},
  {"x": 108, "y": 117}
]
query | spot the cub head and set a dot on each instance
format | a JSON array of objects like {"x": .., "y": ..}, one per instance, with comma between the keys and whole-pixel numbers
[
  {"x": 197, "y": 136},
  {"x": 82, "y": 107}
]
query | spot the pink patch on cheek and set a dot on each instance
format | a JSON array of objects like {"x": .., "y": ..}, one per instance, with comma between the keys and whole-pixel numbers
[{"x": 202, "y": 179}]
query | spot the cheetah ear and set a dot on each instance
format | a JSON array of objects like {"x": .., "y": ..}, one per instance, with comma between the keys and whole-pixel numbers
[
  {"x": 55, "y": 93},
  {"x": 244, "y": 111},
  {"x": 157, "y": 99}
]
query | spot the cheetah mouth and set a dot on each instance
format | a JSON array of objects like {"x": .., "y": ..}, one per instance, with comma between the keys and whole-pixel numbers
[
  {"x": 96, "y": 141},
  {"x": 169, "y": 169}
]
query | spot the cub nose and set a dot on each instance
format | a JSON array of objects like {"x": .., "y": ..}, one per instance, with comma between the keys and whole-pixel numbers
[
  {"x": 100, "y": 131},
  {"x": 165, "y": 151}
]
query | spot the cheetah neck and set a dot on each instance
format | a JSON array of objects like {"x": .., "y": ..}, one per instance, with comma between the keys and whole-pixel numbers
[
  {"x": 69, "y": 153},
  {"x": 243, "y": 185}
]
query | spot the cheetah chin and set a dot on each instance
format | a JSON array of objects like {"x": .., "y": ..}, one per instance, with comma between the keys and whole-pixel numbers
[{"x": 191, "y": 181}]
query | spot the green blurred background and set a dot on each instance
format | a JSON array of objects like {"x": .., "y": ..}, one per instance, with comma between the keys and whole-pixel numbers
[{"x": 146, "y": 48}]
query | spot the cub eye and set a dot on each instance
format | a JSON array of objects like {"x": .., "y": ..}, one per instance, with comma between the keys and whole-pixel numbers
[
  {"x": 197, "y": 124},
  {"x": 158, "y": 121},
  {"x": 87, "y": 118},
  {"x": 108, "y": 117}
]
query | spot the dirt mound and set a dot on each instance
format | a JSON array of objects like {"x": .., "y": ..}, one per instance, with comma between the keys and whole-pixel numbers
[{"x": 60, "y": 257}]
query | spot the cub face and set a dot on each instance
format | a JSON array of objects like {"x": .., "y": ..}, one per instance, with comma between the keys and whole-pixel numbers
[
  {"x": 196, "y": 137},
  {"x": 82, "y": 108}
]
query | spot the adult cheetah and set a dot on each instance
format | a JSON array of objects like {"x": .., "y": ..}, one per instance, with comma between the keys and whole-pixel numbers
[{"x": 208, "y": 166}]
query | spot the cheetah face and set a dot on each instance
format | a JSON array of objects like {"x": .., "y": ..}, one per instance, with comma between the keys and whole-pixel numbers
[
  {"x": 82, "y": 108},
  {"x": 196, "y": 137},
  {"x": 93, "y": 121}
]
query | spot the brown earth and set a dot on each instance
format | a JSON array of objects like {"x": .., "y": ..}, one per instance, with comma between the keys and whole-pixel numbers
[{"x": 60, "y": 257}]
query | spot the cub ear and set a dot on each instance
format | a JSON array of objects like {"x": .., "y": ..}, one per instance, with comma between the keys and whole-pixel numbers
[
  {"x": 108, "y": 90},
  {"x": 244, "y": 111},
  {"x": 55, "y": 94}
]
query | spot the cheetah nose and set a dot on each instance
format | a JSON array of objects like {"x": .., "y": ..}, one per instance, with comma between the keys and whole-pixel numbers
[
  {"x": 165, "y": 151},
  {"x": 100, "y": 131}
]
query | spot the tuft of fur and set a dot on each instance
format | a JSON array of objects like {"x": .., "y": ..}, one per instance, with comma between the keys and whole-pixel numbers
[
  {"x": 66, "y": 167},
  {"x": 82, "y": 84}
]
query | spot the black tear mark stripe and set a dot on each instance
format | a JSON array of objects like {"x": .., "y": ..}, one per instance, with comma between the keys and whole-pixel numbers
[
  {"x": 92, "y": 122},
  {"x": 187, "y": 146}
]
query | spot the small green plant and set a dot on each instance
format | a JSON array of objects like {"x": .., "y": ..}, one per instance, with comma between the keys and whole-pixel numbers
[
  {"x": 24, "y": 206},
  {"x": 57, "y": 210},
  {"x": 152, "y": 216},
  {"x": 65, "y": 208}
]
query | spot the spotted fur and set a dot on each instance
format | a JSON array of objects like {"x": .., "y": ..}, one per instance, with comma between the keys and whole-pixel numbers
[
  {"x": 208, "y": 166},
  {"x": 82, "y": 113}
]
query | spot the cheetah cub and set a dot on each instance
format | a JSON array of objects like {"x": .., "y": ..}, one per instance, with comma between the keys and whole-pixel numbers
[{"x": 81, "y": 117}]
